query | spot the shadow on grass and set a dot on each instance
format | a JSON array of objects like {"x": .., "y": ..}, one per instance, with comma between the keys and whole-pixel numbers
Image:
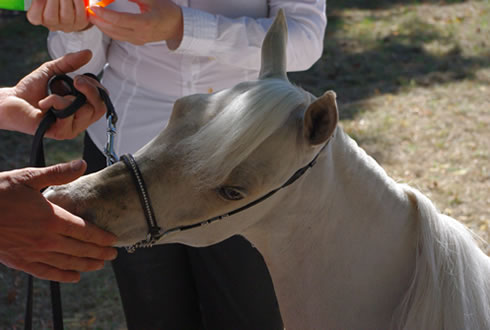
[
  {"x": 378, "y": 4},
  {"x": 387, "y": 60},
  {"x": 23, "y": 48}
]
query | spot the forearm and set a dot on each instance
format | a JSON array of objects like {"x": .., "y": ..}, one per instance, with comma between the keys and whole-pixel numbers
[{"x": 237, "y": 41}]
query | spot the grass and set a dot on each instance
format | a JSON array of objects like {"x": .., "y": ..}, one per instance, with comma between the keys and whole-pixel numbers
[{"x": 412, "y": 79}]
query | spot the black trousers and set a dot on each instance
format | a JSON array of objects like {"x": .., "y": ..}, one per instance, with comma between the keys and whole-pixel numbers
[{"x": 173, "y": 286}]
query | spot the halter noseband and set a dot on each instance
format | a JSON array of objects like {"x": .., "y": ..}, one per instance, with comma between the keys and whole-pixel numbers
[{"x": 155, "y": 232}]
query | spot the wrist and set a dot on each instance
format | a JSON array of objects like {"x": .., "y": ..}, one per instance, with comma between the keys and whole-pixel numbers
[
  {"x": 174, "y": 42},
  {"x": 6, "y": 94}
]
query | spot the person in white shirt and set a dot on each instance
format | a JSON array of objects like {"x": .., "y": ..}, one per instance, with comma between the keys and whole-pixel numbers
[{"x": 153, "y": 52}]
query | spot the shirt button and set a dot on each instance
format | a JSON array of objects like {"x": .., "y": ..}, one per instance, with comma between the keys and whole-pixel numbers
[{"x": 210, "y": 90}]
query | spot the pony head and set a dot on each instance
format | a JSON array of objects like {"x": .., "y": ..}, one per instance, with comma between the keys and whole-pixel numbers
[{"x": 219, "y": 152}]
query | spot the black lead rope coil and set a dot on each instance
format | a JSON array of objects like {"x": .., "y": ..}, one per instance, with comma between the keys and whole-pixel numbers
[{"x": 64, "y": 86}]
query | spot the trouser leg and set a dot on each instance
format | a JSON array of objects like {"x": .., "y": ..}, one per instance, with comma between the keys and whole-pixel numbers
[
  {"x": 157, "y": 289},
  {"x": 234, "y": 287}
]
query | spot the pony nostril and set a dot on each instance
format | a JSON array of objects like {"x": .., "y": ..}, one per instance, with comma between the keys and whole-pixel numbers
[{"x": 61, "y": 197}]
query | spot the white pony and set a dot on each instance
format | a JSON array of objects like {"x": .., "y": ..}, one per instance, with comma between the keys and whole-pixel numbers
[{"x": 347, "y": 247}]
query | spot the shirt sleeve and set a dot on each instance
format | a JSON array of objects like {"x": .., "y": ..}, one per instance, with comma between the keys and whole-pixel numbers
[
  {"x": 61, "y": 43},
  {"x": 237, "y": 41}
]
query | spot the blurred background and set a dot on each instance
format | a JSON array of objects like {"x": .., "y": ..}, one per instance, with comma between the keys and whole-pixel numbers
[{"x": 413, "y": 84}]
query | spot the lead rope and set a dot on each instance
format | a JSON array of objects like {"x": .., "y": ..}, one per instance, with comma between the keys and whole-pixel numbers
[{"x": 37, "y": 160}]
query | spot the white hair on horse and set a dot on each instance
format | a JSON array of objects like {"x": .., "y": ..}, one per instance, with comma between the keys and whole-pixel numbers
[
  {"x": 450, "y": 288},
  {"x": 229, "y": 138}
]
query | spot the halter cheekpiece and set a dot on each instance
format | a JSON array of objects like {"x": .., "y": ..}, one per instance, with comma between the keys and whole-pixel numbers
[{"x": 154, "y": 230}]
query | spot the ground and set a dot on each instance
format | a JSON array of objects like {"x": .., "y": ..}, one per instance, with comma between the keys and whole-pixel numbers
[{"x": 413, "y": 85}]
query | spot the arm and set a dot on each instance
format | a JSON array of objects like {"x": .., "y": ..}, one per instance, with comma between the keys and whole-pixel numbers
[
  {"x": 22, "y": 107},
  {"x": 238, "y": 41},
  {"x": 235, "y": 41}
]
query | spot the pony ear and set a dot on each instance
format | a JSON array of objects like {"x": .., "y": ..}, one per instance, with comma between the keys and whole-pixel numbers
[
  {"x": 274, "y": 49},
  {"x": 321, "y": 118}
]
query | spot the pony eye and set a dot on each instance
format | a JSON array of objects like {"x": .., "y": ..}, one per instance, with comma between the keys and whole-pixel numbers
[{"x": 231, "y": 193}]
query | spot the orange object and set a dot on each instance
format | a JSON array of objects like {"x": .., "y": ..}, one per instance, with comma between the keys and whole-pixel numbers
[
  {"x": 104, "y": 3},
  {"x": 101, "y": 3}
]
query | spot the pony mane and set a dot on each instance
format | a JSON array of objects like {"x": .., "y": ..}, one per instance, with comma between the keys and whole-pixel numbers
[
  {"x": 451, "y": 286},
  {"x": 236, "y": 131}
]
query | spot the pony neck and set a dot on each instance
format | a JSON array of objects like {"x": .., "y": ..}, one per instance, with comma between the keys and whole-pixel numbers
[{"x": 342, "y": 232}]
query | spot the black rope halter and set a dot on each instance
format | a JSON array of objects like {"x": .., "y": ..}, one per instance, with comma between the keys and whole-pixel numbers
[{"x": 155, "y": 232}]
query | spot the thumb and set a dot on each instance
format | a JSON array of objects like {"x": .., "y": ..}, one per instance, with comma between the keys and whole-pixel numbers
[
  {"x": 69, "y": 62},
  {"x": 39, "y": 178}
]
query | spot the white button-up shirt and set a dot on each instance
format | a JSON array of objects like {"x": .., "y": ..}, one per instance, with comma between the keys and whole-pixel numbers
[{"x": 220, "y": 48}]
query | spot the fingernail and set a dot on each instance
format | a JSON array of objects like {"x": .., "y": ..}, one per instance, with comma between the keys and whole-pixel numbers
[{"x": 76, "y": 165}]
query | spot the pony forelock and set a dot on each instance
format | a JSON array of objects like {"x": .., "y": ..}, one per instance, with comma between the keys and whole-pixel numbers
[{"x": 238, "y": 129}]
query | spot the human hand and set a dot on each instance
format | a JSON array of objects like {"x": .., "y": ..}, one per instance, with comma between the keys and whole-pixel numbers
[
  {"x": 159, "y": 20},
  {"x": 59, "y": 15},
  {"x": 42, "y": 239},
  {"x": 26, "y": 103}
]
